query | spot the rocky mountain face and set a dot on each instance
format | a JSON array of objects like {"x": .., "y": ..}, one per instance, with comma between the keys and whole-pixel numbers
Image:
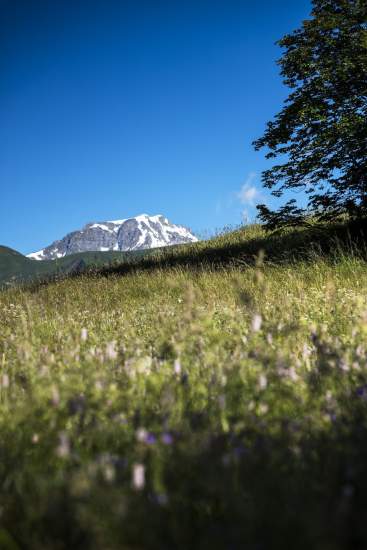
[{"x": 136, "y": 233}]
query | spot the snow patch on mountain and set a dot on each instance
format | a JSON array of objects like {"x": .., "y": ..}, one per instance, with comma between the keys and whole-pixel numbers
[
  {"x": 37, "y": 255},
  {"x": 137, "y": 233}
]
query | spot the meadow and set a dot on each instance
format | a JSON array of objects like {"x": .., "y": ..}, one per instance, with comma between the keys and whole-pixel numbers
[{"x": 189, "y": 404}]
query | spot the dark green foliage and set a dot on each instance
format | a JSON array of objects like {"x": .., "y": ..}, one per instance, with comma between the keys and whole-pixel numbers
[{"x": 321, "y": 132}]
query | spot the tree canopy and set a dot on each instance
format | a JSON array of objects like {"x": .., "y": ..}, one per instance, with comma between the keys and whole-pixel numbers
[{"x": 320, "y": 135}]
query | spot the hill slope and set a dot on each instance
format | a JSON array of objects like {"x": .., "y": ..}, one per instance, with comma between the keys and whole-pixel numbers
[
  {"x": 16, "y": 268},
  {"x": 11, "y": 260},
  {"x": 233, "y": 248}
]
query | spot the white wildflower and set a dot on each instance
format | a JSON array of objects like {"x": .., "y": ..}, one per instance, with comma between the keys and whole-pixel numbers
[
  {"x": 292, "y": 374},
  {"x": 111, "y": 352},
  {"x": 263, "y": 382},
  {"x": 5, "y": 382},
  {"x": 263, "y": 408},
  {"x": 344, "y": 366},
  {"x": 256, "y": 322},
  {"x": 109, "y": 473},
  {"x": 177, "y": 367},
  {"x": 63, "y": 449},
  {"x": 251, "y": 405},
  {"x": 141, "y": 435},
  {"x": 138, "y": 477},
  {"x": 329, "y": 396}
]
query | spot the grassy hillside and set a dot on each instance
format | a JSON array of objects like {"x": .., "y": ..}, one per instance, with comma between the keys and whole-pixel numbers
[
  {"x": 201, "y": 399},
  {"x": 237, "y": 247},
  {"x": 241, "y": 247}
]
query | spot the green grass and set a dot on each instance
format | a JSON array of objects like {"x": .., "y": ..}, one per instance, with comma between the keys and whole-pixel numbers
[{"x": 200, "y": 399}]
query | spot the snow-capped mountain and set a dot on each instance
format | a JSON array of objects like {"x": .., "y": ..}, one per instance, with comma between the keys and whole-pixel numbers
[{"x": 131, "y": 234}]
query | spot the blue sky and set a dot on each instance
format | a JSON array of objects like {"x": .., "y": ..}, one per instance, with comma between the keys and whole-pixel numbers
[{"x": 111, "y": 108}]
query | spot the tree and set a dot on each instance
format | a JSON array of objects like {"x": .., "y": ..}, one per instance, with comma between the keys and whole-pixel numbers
[{"x": 321, "y": 132}]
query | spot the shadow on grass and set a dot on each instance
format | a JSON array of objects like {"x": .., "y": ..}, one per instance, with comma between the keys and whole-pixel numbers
[{"x": 244, "y": 247}]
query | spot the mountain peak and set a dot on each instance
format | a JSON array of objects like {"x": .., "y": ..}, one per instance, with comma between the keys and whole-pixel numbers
[{"x": 138, "y": 233}]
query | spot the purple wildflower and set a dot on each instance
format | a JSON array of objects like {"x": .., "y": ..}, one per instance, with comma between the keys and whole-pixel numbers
[
  {"x": 167, "y": 438},
  {"x": 362, "y": 391},
  {"x": 150, "y": 439}
]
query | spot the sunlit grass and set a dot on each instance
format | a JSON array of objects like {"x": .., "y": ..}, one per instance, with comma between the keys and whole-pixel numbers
[{"x": 186, "y": 408}]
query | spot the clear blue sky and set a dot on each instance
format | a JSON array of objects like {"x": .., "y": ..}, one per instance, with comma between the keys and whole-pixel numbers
[{"x": 110, "y": 108}]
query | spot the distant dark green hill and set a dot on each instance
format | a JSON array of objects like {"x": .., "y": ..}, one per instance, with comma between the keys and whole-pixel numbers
[
  {"x": 12, "y": 264},
  {"x": 16, "y": 268}
]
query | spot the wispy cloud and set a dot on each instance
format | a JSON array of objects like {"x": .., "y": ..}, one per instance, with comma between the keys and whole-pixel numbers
[
  {"x": 244, "y": 200},
  {"x": 249, "y": 194}
]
